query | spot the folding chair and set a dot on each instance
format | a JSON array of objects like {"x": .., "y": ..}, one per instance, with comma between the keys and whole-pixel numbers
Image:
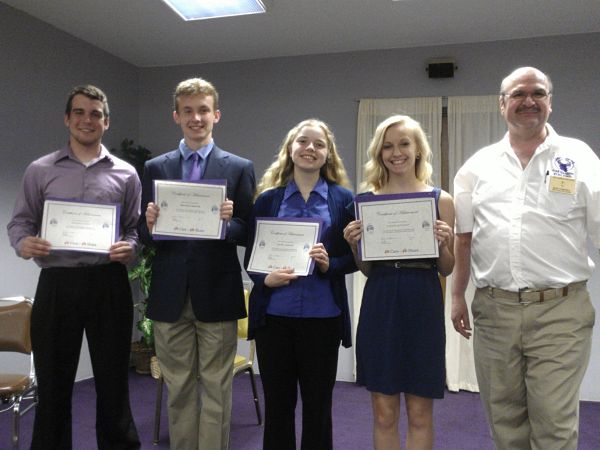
[{"x": 15, "y": 322}]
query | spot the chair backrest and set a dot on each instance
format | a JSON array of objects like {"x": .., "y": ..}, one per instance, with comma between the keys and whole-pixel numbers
[
  {"x": 242, "y": 324},
  {"x": 15, "y": 323}
]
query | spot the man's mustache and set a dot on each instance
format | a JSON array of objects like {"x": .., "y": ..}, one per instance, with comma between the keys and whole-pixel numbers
[{"x": 528, "y": 109}]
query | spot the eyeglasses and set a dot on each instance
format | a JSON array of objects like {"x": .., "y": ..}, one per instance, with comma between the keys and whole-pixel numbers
[{"x": 520, "y": 96}]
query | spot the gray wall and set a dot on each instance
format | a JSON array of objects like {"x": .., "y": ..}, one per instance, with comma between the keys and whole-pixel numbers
[
  {"x": 260, "y": 101},
  {"x": 40, "y": 65}
]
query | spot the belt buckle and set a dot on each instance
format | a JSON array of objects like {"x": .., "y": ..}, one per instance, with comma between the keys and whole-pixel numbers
[
  {"x": 520, "y": 297},
  {"x": 397, "y": 264}
]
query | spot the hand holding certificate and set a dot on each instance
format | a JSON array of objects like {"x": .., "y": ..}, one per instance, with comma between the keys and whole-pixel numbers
[
  {"x": 399, "y": 226},
  {"x": 189, "y": 210},
  {"x": 80, "y": 226},
  {"x": 284, "y": 242}
]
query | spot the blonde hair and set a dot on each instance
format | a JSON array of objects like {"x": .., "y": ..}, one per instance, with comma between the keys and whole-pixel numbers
[
  {"x": 281, "y": 171},
  {"x": 195, "y": 86},
  {"x": 376, "y": 174}
]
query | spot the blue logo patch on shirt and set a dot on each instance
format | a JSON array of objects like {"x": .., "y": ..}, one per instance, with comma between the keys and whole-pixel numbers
[{"x": 563, "y": 167}]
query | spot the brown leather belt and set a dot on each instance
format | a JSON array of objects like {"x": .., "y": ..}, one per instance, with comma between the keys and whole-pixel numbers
[
  {"x": 533, "y": 295},
  {"x": 406, "y": 264}
]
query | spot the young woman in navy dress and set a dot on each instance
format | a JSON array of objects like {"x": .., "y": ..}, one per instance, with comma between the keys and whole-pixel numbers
[{"x": 401, "y": 339}]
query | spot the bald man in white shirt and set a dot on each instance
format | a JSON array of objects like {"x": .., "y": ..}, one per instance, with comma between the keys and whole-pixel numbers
[{"x": 525, "y": 208}]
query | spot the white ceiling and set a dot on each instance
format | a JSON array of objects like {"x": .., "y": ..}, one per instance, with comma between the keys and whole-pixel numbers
[{"x": 148, "y": 33}]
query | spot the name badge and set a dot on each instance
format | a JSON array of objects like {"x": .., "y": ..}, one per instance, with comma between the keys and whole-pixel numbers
[{"x": 562, "y": 185}]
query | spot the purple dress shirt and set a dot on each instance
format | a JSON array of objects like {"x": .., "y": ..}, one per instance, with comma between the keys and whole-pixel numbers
[{"x": 60, "y": 175}]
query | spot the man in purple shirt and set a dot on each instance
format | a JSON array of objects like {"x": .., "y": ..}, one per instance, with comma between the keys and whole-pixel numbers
[{"x": 80, "y": 291}]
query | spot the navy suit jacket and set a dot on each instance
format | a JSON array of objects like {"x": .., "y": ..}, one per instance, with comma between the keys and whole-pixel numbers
[
  {"x": 341, "y": 260},
  {"x": 208, "y": 269}
]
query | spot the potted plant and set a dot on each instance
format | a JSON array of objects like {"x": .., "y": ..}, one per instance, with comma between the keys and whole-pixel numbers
[
  {"x": 143, "y": 349},
  {"x": 136, "y": 155},
  {"x": 140, "y": 273}
]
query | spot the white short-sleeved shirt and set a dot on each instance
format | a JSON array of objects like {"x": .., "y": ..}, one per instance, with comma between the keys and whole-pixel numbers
[{"x": 530, "y": 226}]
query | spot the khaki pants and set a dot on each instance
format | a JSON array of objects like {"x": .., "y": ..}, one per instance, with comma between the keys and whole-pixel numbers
[
  {"x": 530, "y": 360},
  {"x": 196, "y": 361}
]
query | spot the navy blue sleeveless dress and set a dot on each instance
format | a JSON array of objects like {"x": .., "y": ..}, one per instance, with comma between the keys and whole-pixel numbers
[{"x": 401, "y": 340}]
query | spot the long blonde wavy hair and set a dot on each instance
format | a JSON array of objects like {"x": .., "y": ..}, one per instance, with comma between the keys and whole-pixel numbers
[
  {"x": 375, "y": 174},
  {"x": 281, "y": 171}
]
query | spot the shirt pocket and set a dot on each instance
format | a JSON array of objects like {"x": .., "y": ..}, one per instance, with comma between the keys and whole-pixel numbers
[{"x": 556, "y": 204}]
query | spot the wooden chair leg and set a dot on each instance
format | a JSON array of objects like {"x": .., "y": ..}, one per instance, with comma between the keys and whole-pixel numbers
[{"x": 157, "y": 409}]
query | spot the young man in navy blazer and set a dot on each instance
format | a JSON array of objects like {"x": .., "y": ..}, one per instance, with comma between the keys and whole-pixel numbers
[{"x": 196, "y": 293}]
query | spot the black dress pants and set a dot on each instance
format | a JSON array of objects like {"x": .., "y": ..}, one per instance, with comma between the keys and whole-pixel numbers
[
  {"x": 68, "y": 301},
  {"x": 304, "y": 352}
]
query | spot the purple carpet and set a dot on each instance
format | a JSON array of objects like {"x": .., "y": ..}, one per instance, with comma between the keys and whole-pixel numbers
[{"x": 459, "y": 420}]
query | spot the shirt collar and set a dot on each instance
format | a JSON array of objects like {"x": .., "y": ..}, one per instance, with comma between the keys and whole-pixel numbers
[
  {"x": 550, "y": 139},
  {"x": 67, "y": 152},
  {"x": 551, "y": 136},
  {"x": 548, "y": 142},
  {"x": 204, "y": 151},
  {"x": 320, "y": 188},
  {"x": 104, "y": 153}
]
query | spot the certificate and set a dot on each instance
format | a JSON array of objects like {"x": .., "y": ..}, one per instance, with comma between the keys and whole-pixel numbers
[
  {"x": 189, "y": 210},
  {"x": 284, "y": 242},
  {"x": 399, "y": 226},
  {"x": 80, "y": 226}
]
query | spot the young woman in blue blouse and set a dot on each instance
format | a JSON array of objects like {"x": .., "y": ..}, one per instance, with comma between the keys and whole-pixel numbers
[{"x": 299, "y": 322}]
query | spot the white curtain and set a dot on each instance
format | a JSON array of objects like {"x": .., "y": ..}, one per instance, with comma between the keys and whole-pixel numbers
[
  {"x": 428, "y": 112},
  {"x": 473, "y": 122},
  {"x": 425, "y": 110}
]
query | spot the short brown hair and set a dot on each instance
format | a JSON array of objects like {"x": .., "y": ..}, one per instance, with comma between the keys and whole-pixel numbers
[{"x": 91, "y": 92}]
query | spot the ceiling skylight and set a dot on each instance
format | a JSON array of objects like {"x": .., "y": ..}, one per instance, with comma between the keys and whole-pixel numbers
[{"x": 210, "y": 9}]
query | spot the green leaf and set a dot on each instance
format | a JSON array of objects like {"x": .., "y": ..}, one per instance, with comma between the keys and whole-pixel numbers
[{"x": 145, "y": 326}]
